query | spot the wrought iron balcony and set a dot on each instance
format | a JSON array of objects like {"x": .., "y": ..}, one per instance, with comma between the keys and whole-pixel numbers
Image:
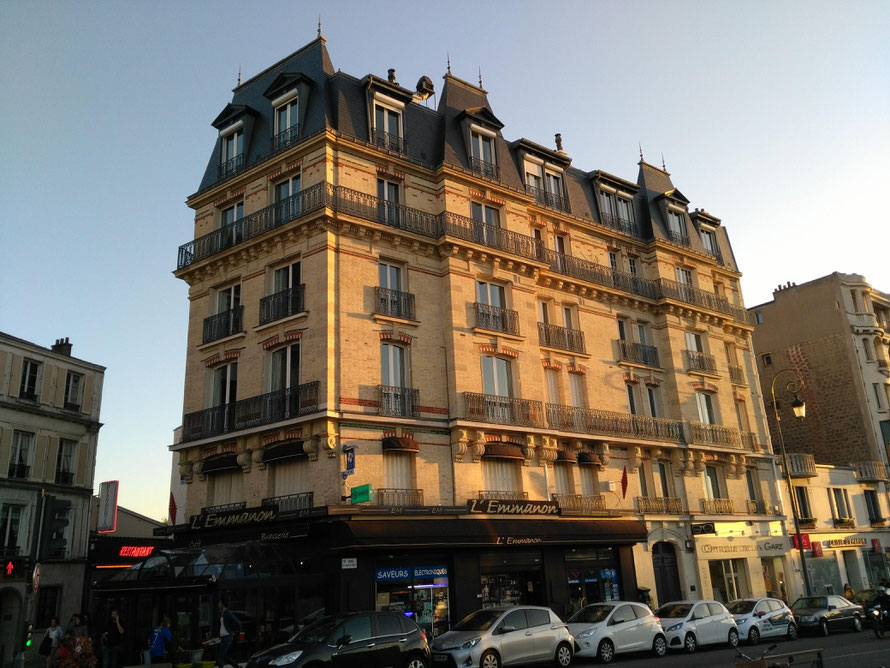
[
  {"x": 392, "y": 214},
  {"x": 20, "y": 471},
  {"x": 717, "y": 506},
  {"x": 28, "y": 396},
  {"x": 844, "y": 523},
  {"x": 389, "y": 141},
  {"x": 291, "y": 503},
  {"x": 598, "y": 274},
  {"x": 678, "y": 237},
  {"x": 223, "y": 324},
  {"x": 749, "y": 441},
  {"x": 398, "y": 401},
  {"x": 398, "y": 498},
  {"x": 224, "y": 507},
  {"x": 801, "y": 465},
  {"x": 737, "y": 375},
  {"x": 758, "y": 507},
  {"x": 620, "y": 224},
  {"x": 256, "y": 411},
  {"x": 553, "y": 200},
  {"x": 663, "y": 505},
  {"x": 870, "y": 471},
  {"x": 284, "y": 139},
  {"x": 698, "y": 361},
  {"x": 585, "y": 503},
  {"x": 231, "y": 167},
  {"x": 64, "y": 477},
  {"x": 610, "y": 423},
  {"x": 807, "y": 523},
  {"x": 714, "y": 434},
  {"x": 394, "y": 303},
  {"x": 554, "y": 336},
  {"x": 497, "y": 319},
  {"x": 492, "y": 236},
  {"x": 283, "y": 304},
  {"x": 488, "y": 169},
  {"x": 637, "y": 353},
  {"x": 499, "y": 495},
  {"x": 877, "y": 521},
  {"x": 668, "y": 289},
  {"x": 503, "y": 410}
]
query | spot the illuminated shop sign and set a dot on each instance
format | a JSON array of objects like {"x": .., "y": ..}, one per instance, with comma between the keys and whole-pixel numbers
[
  {"x": 136, "y": 550},
  {"x": 404, "y": 573}
]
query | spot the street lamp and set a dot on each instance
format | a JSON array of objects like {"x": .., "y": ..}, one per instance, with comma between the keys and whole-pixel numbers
[{"x": 799, "y": 408}]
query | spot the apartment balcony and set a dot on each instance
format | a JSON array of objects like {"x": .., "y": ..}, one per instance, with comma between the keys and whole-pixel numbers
[
  {"x": 253, "y": 412},
  {"x": 877, "y": 522},
  {"x": 510, "y": 411},
  {"x": 285, "y": 139},
  {"x": 394, "y": 303},
  {"x": 678, "y": 237},
  {"x": 231, "y": 167},
  {"x": 870, "y": 471},
  {"x": 64, "y": 478},
  {"x": 391, "y": 214},
  {"x": 714, "y": 434},
  {"x": 500, "y": 495},
  {"x": 667, "y": 505},
  {"x": 620, "y": 224},
  {"x": 492, "y": 236},
  {"x": 801, "y": 465},
  {"x": 19, "y": 471},
  {"x": 749, "y": 441},
  {"x": 864, "y": 320},
  {"x": 844, "y": 523},
  {"x": 548, "y": 199},
  {"x": 682, "y": 292},
  {"x": 554, "y": 336},
  {"x": 737, "y": 375},
  {"x": 487, "y": 169},
  {"x": 609, "y": 423},
  {"x": 583, "y": 503},
  {"x": 698, "y": 361},
  {"x": 598, "y": 274},
  {"x": 398, "y": 401},
  {"x": 496, "y": 319},
  {"x": 224, "y": 507},
  {"x": 389, "y": 141},
  {"x": 717, "y": 506},
  {"x": 223, "y": 324},
  {"x": 282, "y": 304},
  {"x": 807, "y": 523},
  {"x": 758, "y": 507},
  {"x": 398, "y": 498},
  {"x": 291, "y": 503},
  {"x": 716, "y": 254},
  {"x": 637, "y": 353}
]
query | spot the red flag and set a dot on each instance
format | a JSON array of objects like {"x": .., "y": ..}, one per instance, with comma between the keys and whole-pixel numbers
[
  {"x": 624, "y": 483},
  {"x": 171, "y": 510}
]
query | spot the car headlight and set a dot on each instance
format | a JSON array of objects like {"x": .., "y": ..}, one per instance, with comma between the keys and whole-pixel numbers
[
  {"x": 586, "y": 633},
  {"x": 469, "y": 643},
  {"x": 285, "y": 659},
  {"x": 743, "y": 620},
  {"x": 675, "y": 627}
]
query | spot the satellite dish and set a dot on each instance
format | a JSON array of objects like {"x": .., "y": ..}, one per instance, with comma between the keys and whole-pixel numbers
[{"x": 424, "y": 87}]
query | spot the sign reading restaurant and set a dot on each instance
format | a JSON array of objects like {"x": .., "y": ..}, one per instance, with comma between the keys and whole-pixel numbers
[
  {"x": 498, "y": 507},
  {"x": 233, "y": 518}
]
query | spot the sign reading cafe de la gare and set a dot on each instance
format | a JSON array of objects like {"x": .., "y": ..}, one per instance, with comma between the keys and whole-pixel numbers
[
  {"x": 496, "y": 507},
  {"x": 743, "y": 546}
]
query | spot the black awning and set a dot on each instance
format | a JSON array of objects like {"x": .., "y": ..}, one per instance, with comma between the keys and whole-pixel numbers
[
  {"x": 478, "y": 532},
  {"x": 503, "y": 450},
  {"x": 220, "y": 463},
  {"x": 400, "y": 443},
  {"x": 566, "y": 456},
  {"x": 277, "y": 453},
  {"x": 589, "y": 459}
]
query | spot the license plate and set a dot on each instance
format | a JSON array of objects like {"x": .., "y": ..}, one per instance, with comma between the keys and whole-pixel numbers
[{"x": 440, "y": 657}]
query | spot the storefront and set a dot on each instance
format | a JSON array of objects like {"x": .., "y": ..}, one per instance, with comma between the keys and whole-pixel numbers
[{"x": 741, "y": 566}]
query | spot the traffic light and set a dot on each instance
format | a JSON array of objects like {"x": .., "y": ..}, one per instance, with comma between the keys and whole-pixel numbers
[
  {"x": 54, "y": 538},
  {"x": 13, "y": 568},
  {"x": 29, "y": 628}
]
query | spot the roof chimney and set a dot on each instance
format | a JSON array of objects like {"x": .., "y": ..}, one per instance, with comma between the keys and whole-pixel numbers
[
  {"x": 62, "y": 346},
  {"x": 392, "y": 76},
  {"x": 558, "y": 138}
]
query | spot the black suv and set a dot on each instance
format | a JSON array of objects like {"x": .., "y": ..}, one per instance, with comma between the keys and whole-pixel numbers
[{"x": 354, "y": 640}]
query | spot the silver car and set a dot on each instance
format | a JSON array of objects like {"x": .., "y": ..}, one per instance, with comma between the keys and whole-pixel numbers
[{"x": 505, "y": 636}]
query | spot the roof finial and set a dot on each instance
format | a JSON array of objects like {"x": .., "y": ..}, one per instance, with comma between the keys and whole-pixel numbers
[
  {"x": 480, "y": 76},
  {"x": 319, "y": 24},
  {"x": 641, "y": 153},
  {"x": 239, "y": 74},
  {"x": 448, "y": 56},
  {"x": 662, "y": 163}
]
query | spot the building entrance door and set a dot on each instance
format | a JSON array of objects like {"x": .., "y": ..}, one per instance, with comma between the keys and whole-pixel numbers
[{"x": 667, "y": 575}]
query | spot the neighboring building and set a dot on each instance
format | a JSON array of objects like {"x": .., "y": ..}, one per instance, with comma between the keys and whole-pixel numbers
[
  {"x": 49, "y": 427},
  {"x": 544, "y": 374}
]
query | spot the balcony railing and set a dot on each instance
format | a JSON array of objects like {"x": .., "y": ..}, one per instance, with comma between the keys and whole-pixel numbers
[
  {"x": 285, "y": 138},
  {"x": 801, "y": 465},
  {"x": 497, "y": 319},
  {"x": 492, "y": 236},
  {"x": 398, "y": 401},
  {"x": 223, "y": 324},
  {"x": 758, "y": 507},
  {"x": 394, "y": 303},
  {"x": 714, "y": 434},
  {"x": 598, "y": 274},
  {"x": 252, "y": 412},
  {"x": 224, "y": 507},
  {"x": 678, "y": 237},
  {"x": 552, "y": 200},
  {"x": 487, "y": 169},
  {"x": 64, "y": 477},
  {"x": 668, "y": 289},
  {"x": 807, "y": 523},
  {"x": 500, "y": 495},
  {"x": 666, "y": 505},
  {"x": 609, "y": 423},
  {"x": 231, "y": 167},
  {"x": 392, "y": 214},
  {"x": 749, "y": 441},
  {"x": 620, "y": 224},
  {"x": 737, "y": 375},
  {"x": 877, "y": 521},
  {"x": 20, "y": 471},
  {"x": 698, "y": 361},
  {"x": 554, "y": 336},
  {"x": 503, "y": 410},
  {"x": 291, "y": 503},
  {"x": 398, "y": 498},
  {"x": 585, "y": 503},
  {"x": 28, "y": 396},
  {"x": 72, "y": 406},
  {"x": 870, "y": 471},
  {"x": 844, "y": 523},
  {"x": 717, "y": 506},
  {"x": 283, "y": 304},
  {"x": 637, "y": 353},
  {"x": 389, "y": 141}
]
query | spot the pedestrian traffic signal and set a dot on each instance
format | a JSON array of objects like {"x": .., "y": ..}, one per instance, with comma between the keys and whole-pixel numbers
[
  {"x": 13, "y": 567},
  {"x": 29, "y": 628}
]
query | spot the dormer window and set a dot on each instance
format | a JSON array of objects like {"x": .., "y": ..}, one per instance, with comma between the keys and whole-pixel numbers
[
  {"x": 677, "y": 228},
  {"x": 231, "y": 159},
  {"x": 545, "y": 182},
  {"x": 388, "y": 130},
  {"x": 709, "y": 240},
  {"x": 287, "y": 120},
  {"x": 482, "y": 158}
]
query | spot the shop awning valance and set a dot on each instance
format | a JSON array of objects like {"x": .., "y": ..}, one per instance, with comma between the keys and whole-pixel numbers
[
  {"x": 400, "y": 443},
  {"x": 283, "y": 452},
  {"x": 503, "y": 450},
  {"x": 220, "y": 464}
]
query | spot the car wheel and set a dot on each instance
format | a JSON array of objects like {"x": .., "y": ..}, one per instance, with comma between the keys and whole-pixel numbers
[
  {"x": 733, "y": 638},
  {"x": 753, "y": 635},
  {"x": 689, "y": 643},
  {"x": 490, "y": 660},
  {"x": 417, "y": 661},
  {"x": 563, "y": 655},
  {"x": 792, "y": 631},
  {"x": 857, "y": 623},
  {"x": 659, "y": 646},
  {"x": 606, "y": 651}
]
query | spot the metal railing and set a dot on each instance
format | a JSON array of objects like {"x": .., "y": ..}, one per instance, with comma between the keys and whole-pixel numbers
[
  {"x": 496, "y": 319},
  {"x": 701, "y": 433},
  {"x": 282, "y": 304},
  {"x": 598, "y": 274},
  {"x": 737, "y": 375},
  {"x": 394, "y": 303},
  {"x": 585, "y": 503},
  {"x": 20, "y": 471},
  {"x": 285, "y": 138},
  {"x": 499, "y": 495},
  {"x": 290, "y": 503},
  {"x": 698, "y": 361},
  {"x": 64, "y": 477},
  {"x": 665, "y": 505},
  {"x": 553, "y": 200},
  {"x": 503, "y": 410},
  {"x": 224, "y": 507},
  {"x": 717, "y": 506},
  {"x": 801, "y": 465},
  {"x": 844, "y": 523},
  {"x": 71, "y": 406},
  {"x": 610, "y": 423},
  {"x": 231, "y": 167},
  {"x": 392, "y": 214},
  {"x": 554, "y": 336},
  {"x": 807, "y": 522},
  {"x": 758, "y": 507},
  {"x": 749, "y": 441},
  {"x": 398, "y": 498},
  {"x": 28, "y": 396},
  {"x": 668, "y": 289},
  {"x": 487, "y": 169},
  {"x": 871, "y": 471},
  {"x": 223, "y": 324},
  {"x": 637, "y": 353},
  {"x": 492, "y": 236},
  {"x": 389, "y": 141},
  {"x": 678, "y": 237},
  {"x": 620, "y": 224},
  {"x": 398, "y": 401}
]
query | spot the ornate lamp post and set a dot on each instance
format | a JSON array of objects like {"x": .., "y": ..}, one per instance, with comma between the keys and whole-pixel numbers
[{"x": 793, "y": 386}]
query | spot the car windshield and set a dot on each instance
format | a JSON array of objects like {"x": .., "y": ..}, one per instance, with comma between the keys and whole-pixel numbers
[
  {"x": 317, "y": 632},
  {"x": 741, "y": 607},
  {"x": 481, "y": 620},
  {"x": 814, "y": 602},
  {"x": 865, "y": 596},
  {"x": 674, "y": 610},
  {"x": 591, "y": 614}
]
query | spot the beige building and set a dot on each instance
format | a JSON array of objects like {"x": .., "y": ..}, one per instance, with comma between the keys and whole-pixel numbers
[
  {"x": 49, "y": 426},
  {"x": 543, "y": 373}
]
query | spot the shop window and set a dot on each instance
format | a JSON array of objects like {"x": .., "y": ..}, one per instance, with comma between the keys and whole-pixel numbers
[{"x": 729, "y": 579}]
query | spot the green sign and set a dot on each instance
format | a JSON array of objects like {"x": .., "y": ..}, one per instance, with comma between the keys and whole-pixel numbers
[{"x": 361, "y": 494}]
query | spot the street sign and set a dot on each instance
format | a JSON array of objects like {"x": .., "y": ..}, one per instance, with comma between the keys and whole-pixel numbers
[
  {"x": 361, "y": 494},
  {"x": 35, "y": 578},
  {"x": 350, "y": 460},
  {"x": 107, "y": 520},
  {"x": 705, "y": 527}
]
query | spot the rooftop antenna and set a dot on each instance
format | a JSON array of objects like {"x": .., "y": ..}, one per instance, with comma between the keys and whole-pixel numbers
[
  {"x": 663, "y": 168},
  {"x": 319, "y": 25},
  {"x": 239, "y": 74},
  {"x": 448, "y": 56},
  {"x": 480, "y": 76}
]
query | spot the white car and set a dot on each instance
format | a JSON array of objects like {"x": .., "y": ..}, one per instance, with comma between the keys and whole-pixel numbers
[
  {"x": 603, "y": 630},
  {"x": 688, "y": 624},
  {"x": 758, "y": 618}
]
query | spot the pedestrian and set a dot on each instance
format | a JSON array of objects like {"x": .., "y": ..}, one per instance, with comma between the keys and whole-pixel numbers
[
  {"x": 76, "y": 627},
  {"x": 848, "y": 592},
  {"x": 229, "y": 629},
  {"x": 159, "y": 641},
  {"x": 55, "y": 634},
  {"x": 111, "y": 641}
]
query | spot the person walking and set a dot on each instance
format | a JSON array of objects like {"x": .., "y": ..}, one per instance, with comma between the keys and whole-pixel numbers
[
  {"x": 159, "y": 641},
  {"x": 229, "y": 629},
  {"x": 111, "y": 641},
  {"x": 54, "y": 633}
]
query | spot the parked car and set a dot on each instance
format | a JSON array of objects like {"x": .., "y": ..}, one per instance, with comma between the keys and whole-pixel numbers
[
  {"x": 356, "y": 639},
  {"x": 603, "y": 630},
  {"x": 758, "y": 618},
  {"x": 827, "y": 613},
  {"x": 505, "y": 636},
  {"x": 688, "y": 624}
]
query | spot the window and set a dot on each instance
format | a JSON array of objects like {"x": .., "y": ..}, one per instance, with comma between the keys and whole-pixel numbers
[
  {"x": 21, "y": 455},
  {"x": 613, "y": 260},
  {"x": 358, "y": 628},
  {"x": 544, "y": 312},
  {"x": 288, "y": 202},
  {"x": 285, "y": 296},
  {"x": 224, "y": 385},
  {"x": 694, "y": 342},
  {"x": 565, "y": 482},
  {"x": 608, "y": 204},
  {"x": 490, "y": 217},
  {"x": 705, "y": 408},
  {"x": 590, "y": 484},
  {"x": 840, "y": 504},
  {"x": 232, "y": 155},
  {"x": 767, "y": 359},
  {"x": 758, "y": 317},
  {"x": 533, "y": 179},
  {"x": 492, "y": 313},
  {"x": 225, "y": 487},
  {"x": 231, "y": 233},
  {"x": 642, "y": 334},
  {"x": 880, "y": 395},
  {"x": 483, "y": 154},
  {"x": 398, "y": 469},
  {"x": 661, "y": 478},
  {"x": 286, "y": 278},
  {"x": 497, "y": 376},
  {"x": 644, "y": 484},
  {"x": 554, "y": 184},
  {"x": 683, "y": 276},
  {"x": 752, "y": 484},
  {"x": 709, "y": 241},
  {"x": 631, "y": 398},
  {"x": 228, "y": 298},
  {"x": 803, "y": 503},
  {"x": 568, "y": 317},
  {"x": 873, "y": 505},
  {"x": 47, "y": 605},
  {"x": 576, "y": 390},
  {"x": 869, "y": 351},
  {"x": 625, "y": 210},
  {"x": 652, "y": 396},
  {"x": 711, "y": 480},
  {"x": 10, "y": 528},
  {"x": 387, "y": 127},
  {"x": 388, "y": 211},
  {"x": 622, "y": 330},
  {"x": 741, "y": 414},
  {"x": 552, "y": 379},
  {"x": 65, "y": 461},
  {"x": 491, "y": 294},
  {"x": 287, "y": 123},
  {"x": 501, "y": 475},
  {"x": 392, "y": 365},
  {"x": 29, "y": 384},
  {"x": 632, "y": 265},
  {"x": 285, "y": 368},
  {"x": 226, "y": 319},
  {"x": 73, "y": 390},
  {"x": 677, "y": 228}
]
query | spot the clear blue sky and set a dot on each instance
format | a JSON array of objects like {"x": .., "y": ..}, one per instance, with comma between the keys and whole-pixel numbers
[{"x": 772, "y": 116}]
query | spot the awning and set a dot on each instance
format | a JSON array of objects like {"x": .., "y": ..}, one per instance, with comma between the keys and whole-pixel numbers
[
  {"x": 400, "y": 443},
  {"x": 221, "y": 463},
  {"x": 566, "y": 456},
  {"x": 503, "y": 450},
  {"x": 589, "y": 459},
  {"x": 478, "y": 532},
  {"x": 277, "y": 453}
]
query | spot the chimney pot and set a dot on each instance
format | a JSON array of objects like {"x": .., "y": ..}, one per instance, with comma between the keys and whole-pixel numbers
[
  {"x": 392, "y": 75},
  {"x": 62, "y": 346}
]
